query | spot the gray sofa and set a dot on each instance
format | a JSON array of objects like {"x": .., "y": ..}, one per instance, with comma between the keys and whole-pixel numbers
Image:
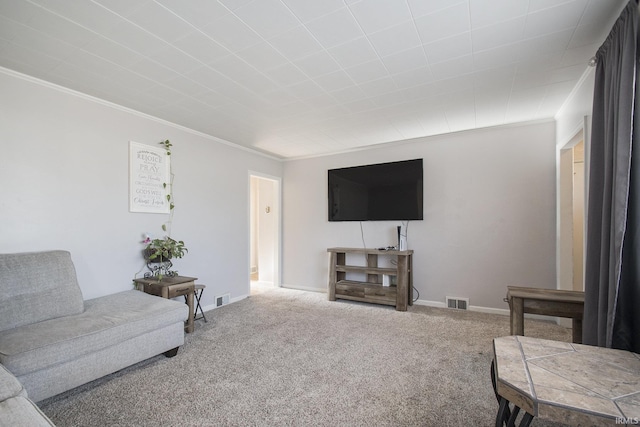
[
  {"x": 16, "y": 409},
  {"x": 53, "y": 341}
]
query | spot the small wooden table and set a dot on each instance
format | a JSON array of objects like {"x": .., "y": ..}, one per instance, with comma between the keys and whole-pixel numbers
[
  {"x": 547, "y": 302},
  {"x": 171, "y": 287},
  {"x": 571, "y": 383}
]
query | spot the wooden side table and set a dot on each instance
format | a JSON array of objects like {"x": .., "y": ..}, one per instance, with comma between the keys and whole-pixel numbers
[
  {"x": 171, "y": 287},
  {"x": 547, "y": 302}
]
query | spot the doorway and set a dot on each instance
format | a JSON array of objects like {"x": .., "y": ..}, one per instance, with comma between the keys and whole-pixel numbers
[
  {"x": 572, "y": 211},
  {"x": 264, "y": 232}
]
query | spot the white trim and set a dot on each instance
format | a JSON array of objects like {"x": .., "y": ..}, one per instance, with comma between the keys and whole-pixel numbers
[
  {"x": 413, "y": 140},
  {"x": 128, "y": 110},
  {"x": 588, "y": 70}
]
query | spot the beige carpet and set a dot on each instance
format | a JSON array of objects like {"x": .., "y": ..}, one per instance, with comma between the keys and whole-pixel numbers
[{"x": 292, "y": 358}]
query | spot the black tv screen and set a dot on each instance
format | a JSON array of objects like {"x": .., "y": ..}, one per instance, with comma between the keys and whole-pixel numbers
[{"x": 379, "y": 192}]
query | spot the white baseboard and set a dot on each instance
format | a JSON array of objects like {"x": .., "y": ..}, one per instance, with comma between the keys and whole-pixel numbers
[
  {"x": 477, "y": 308},
  {"x": 305, "y": 288},
  {"x": 436, "y": 304}
]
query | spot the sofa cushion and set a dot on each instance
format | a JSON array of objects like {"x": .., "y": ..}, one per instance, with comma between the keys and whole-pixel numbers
[
  {"x": 20, "y": 411},
  {"x": 36, "y": 286},
  {"x": 106, "y": 321},
  {"x": 9, "y": 385}
]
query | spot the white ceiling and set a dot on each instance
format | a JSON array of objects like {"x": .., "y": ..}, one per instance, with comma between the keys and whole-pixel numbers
[{"x": 298, "y": 78}]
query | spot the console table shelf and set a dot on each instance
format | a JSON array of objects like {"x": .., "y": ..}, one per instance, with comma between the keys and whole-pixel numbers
[{"x": 372, "y": 290}]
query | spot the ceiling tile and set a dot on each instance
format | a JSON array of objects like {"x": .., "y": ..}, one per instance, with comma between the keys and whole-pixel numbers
[
  {"x": 368, "y": 71},
  {"x": 335, "y": 28},
  {"x": 64, "y": 29},
  {"x": 307, "y": 10},
  {"x": 186, "y": 86},
  {"x": 497, "y": 57},
  {"x": 353, "y": 52},
  {"x": 492, "y": 78},
  {"x": 123, "y": 8},
  {"x": 453, "y": 68},
  {"x": 176, "y": 59},
  {"x": 561, "y": 17},
  {"x": 395, "y": 39},
  {"x": 257, "y": 83},
  {"x": 112, "y": 51},
  {"x": 161, "y": 22},
  {"x": 600, "y": 13},
  {"x": 231, "y": 33},
  {"x": 21, "y": 11},
  {"x": 488, "y": 12},
  {"x": 422, "y": 7},
  {"x": 334, "y": 81},
  {"x": 153, "y": 70},
  {"x": 587, "y": 35},
  {"x": 502, "y": 33},
  {"x": 135, "y": 38},
  {"x": 28, "y": 61},
  {"x": 411, "y": 78},
  {"x": 262, "y": 56},
  {"x": 198, "y": 13},
  {"x": 200, "y": 46},
  {"x": 234, "y": 4},
  {"x": 444, "y": 23},
  {"x": 376, "y": 15},
  {"x": 232, "y": 66},
  {"x": 302, "y": 77},
  {"x": 553, "y": 42},
  {"x": 286, "y": 74},
  {"x": 267, "y": 17},
  {"x": 449, "y": 48},
  {"x": 92, "y": 16},
  {"x": 296, "y": 43},
  {"x": 405, "y": 60},
  {"x": 317, "y": 64},
  {"x": 379, "y": 87},
  {"x": 349, "y": 94},
  {"x": 306, "y": 89}
]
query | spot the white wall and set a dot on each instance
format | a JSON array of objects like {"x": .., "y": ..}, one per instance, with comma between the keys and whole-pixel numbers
[
  {"x": 489, "y": 218},
  {"x": 64, "y": 174}
]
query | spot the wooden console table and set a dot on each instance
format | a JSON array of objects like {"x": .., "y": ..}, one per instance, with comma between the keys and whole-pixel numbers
[
  {"x": 571, "y": 383},
  {"x": 171, "y": 287},
  {"x": 548, "y": 302},
  {"x": 372, "y": 290}
]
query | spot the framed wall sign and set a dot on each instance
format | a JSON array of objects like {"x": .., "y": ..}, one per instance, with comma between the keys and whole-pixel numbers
[{"x": 149, "y": 171}]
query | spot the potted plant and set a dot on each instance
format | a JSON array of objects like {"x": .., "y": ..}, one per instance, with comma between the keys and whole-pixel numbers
[
  {"x": 158, "y": 253},
  {"x": 162, "y": 250}
]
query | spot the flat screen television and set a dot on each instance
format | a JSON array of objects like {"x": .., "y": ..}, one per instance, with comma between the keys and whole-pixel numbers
[{"x": 379, "y": 192}]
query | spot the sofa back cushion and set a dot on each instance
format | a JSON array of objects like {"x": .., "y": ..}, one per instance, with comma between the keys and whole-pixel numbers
[{"x": 37, "y": 286}]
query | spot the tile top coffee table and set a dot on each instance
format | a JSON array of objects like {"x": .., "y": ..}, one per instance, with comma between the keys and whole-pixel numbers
[
  {"x": 572, "y": 383},
  {"x": 171, "y": 287}
]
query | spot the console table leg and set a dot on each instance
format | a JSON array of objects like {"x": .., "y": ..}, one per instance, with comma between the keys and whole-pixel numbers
[
  {"x": 576, "y": 331},
  {"x": 517, "y": 316}
]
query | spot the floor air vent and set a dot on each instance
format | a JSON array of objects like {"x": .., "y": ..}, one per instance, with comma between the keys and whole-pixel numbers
[
  {"x": 222, "y": 300},
  {"x": 459, "y": 303}
]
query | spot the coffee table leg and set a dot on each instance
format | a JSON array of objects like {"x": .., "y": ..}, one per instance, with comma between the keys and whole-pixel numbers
[{"x": 503, "y": 412}]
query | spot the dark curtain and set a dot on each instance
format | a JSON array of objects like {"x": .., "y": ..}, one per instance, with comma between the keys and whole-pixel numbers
[{"x": 612, "y": 272}]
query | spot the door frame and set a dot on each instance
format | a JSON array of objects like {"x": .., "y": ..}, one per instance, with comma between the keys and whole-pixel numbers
[{"x": 277, "y": 258}]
